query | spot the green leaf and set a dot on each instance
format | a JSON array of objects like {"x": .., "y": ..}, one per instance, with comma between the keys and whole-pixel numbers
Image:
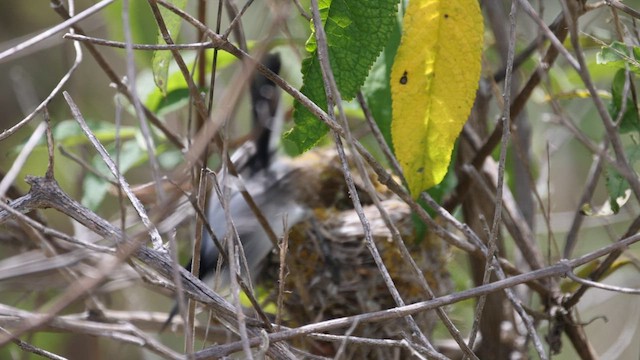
[
  {"x": 171, "y": 158},
  {"x": 174, "y": 100},
  {"x": 162, "y": 58},
  {"x": 176, "y": 91},
  {"x": 143, "y": 26},
  {"x": 617, "y": 55},
  {"x": 377, "y": 90},
  {"x": 617, "y": 185},
  {"x": 323, "y": 8},
  {"x": 95, "y": 188},
  {"x": 67, "y": 133},
  {"x": 357, "y": 30},
  {"x": 630, "y": 121}
]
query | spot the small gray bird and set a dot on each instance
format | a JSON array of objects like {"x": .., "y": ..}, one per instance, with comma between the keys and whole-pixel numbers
[
  {"x": 265, "y": 176},
  {"x": 271, "y": 191}
]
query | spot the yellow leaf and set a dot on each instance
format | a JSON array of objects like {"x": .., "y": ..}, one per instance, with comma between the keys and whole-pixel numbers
[{"x": 433, "y": 84}]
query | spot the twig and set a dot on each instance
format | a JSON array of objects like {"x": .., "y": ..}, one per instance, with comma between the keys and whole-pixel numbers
[
  {"x": 122, "y": 331},
  {"x": 55, "y": 29},
  {"x": 619, "y": 289},
  {"x": 513, "y": 222},
  {"x": 9, "y": 211},
  {"x": 137, "y": 104},
  {"x": 86, "y": 166},
  {"x": 589, "y": 190},
  {"x": 196, "y": 97},
  {"x": 198, "y": 172},
  {"x": 282, "y": 272},
  {"x": 604, "y": 266},
  {"x": 497, "y": 217},
  {"x": 301, "y": 10},
  {"x": 19, "y": 162},
  {"x": 6, "y": 133},
  {"x": 146, "y": 47},
  {"x": 498, "y": 76},
  {"x": 33, "y": 349},
  {"x": 360, "y": 340},
  {"x": 393, "y": 229},
  {"x": 620, "y": 6},
  {"x": 494, "y": 264},
  {"x": 235, "y": 251},
  {"x": 377, "y": 134},
  {"x": 142, "y": 213},
  {"x": 548, "y": 33},
  {"x": 506, "y": 115},
  {"x": 236, "y": 23}
]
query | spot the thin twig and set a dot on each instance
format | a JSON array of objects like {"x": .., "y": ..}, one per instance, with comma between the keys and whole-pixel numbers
[
  {"x": 10, "y": 211},
  {"x": 22, "y": 157},
  {"x": 235, "y": 251},
  {"x": 76, "y": 62},
  {"x": 55, "y": 29},
  {"x": 283, "y": 250},
  {"x": 194, "y": 93},
  {"x": 497, "y": 217},
  {"x": 33, "y": 349},
  {"x": 142, "y": 213},
  {"x": 549, "y": 34},
  {"x": 236, "y": 23},
  {"x": 589, "y": 190},
  {"x": 377, "y": 134},
  {"x": 146, "y": 47},
  {"x": 122, "y": 330},
  {"x": 619, "y": 289},
  {"x": 620, "y": 6},
  {"x": 137, "y": 104},
  {"x": 86, "y": 166},
  {"x": 301, "y": 10}
]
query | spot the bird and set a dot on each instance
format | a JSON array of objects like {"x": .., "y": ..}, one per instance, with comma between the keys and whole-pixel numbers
[{"x": 266, "y": 175}]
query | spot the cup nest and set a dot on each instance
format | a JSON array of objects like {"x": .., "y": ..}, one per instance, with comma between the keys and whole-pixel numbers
[{"x": 331, "y": 273}]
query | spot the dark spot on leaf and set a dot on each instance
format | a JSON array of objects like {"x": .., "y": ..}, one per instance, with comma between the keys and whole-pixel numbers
[
  {"x": 446, "y": 16},
  {"x": 404, "y": 79},
  {"x": 420, "y": 170}
]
